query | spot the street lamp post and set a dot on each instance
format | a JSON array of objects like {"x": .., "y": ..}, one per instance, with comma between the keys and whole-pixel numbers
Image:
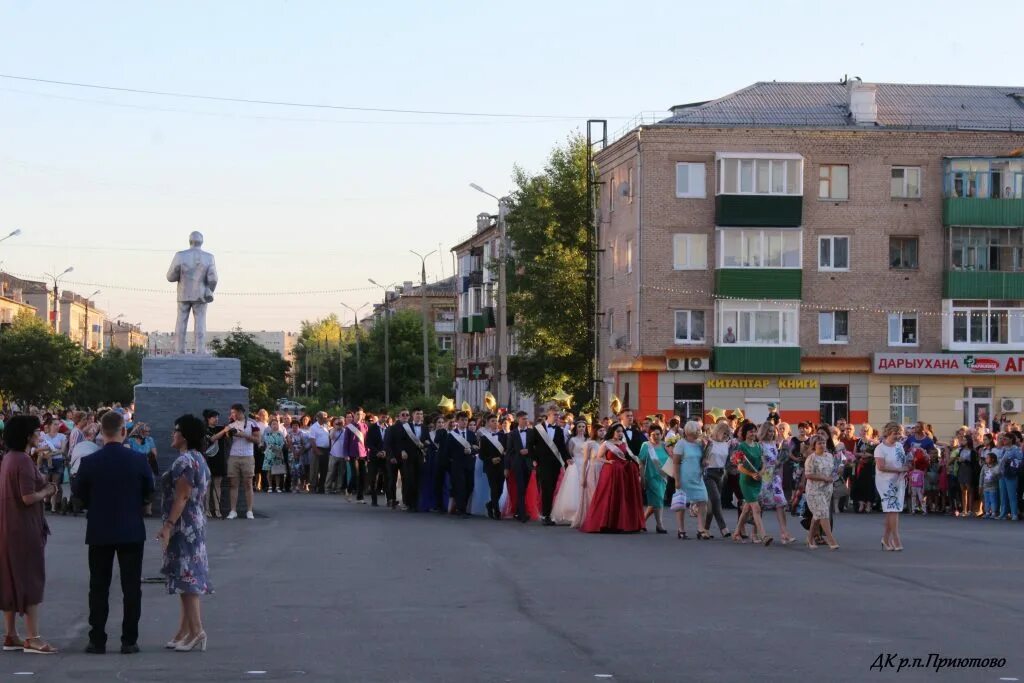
[
  {"x": 423, "y": 298},
  {"x": 341, "y": 371},
  {"x": 387, "y": 342},
  {"x": 85, "y": 332},
  {"x": 109, "y": 338},
  {"x": 12, "y": 233},
  {"x": 55, "y": 279},
  {"x": 502, "y": 315},
  {"x": 355, "y": 315}
]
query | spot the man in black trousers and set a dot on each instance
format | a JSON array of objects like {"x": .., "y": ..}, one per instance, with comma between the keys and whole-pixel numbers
[
  {"x": 519, "y": 462},
  {"x": 377, "y": 465},
  {"x": 492, "y": 454},
  {"x": 114, "y": 484},
  {"x": 546, "y": 444},
  {"x": 459, "y": 448}
]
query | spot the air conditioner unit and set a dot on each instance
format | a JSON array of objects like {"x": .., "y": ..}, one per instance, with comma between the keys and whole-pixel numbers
[
  {"x": 1011, "y": 405},
  {"x": 675, "y": 364},
  {"x": 696, "y": 364}
]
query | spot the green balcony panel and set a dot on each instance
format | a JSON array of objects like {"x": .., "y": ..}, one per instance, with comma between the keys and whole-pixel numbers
[
  {"x": 958, "y": 284},
  {"x": 490, "y": 319},
  {"x": 464, "y": 325},
  {"x": 476, "y": 323},
  {"x": 759, "y": 283},
  {"x": 975, "y": 211},
  {"x": 757, "y": 360},
  {"x": 761, "y": 210}
]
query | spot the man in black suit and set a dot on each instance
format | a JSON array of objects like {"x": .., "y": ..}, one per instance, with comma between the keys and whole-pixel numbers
[
  {"x": 459, "y": 447},
  {"x": 634, "y": 435},
  {"x": 412, "y": 463},
  {"x": 377, "y": 465},
  {"x": 519, "y": 463},
  {"x": 441, "y": 467},
  {"x": 492, "y": 454},
  {"x": 546, "y": 444},
  {"x": 114, "y": 484}
]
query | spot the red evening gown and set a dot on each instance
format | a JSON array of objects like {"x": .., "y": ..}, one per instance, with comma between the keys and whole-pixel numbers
[
  {"x": 617, "y": 505},
  {"x": 532, "y": 498}
]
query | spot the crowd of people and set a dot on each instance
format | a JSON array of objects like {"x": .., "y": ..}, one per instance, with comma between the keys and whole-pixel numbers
[{"x": 610, "y": 476}]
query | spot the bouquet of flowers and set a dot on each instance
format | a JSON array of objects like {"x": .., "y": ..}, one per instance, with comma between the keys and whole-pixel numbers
[{"x": 670, "y": 442}]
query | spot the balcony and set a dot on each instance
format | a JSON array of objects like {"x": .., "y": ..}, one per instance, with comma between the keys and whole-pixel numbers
[
  {"x": 985, "y": 284},
  {"x": 473, "y": 323},
  {"x": 759, "y": 283},
  {"x": 984, "y": 212},
  {"x": 444, "y": 326},
  {"x": 756, "y": 360},
  {"x": 743, "y": 210}
]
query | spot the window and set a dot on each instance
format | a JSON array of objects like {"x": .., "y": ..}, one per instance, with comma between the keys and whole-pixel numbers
[
  {"x": 834, "y": 182},
  {"x": 903, "y": 329},
  {"x": 984, "y": 178},
  {"x": 689, "y": 401},
  {"x": 444, "y": 343},
  {"x": 611, "y": 194},
  {"x": 903, "y": 404},
  {"x": 987, "y": 322},
  {"x": 629, "y": 189},
  {"x": 756, "y": 248},
  {"x": 629, "y": 328},
  {"x": 475, "y": 297},
  {"x": 629, "y": 256},
  {"x": 776, "y": 174},
  {"x": 611, "y": 329},
  {"x": 690, "y": 180},
  {"x": 613, "y": 254},
  {"x": 689, "y": 252},
  {"x": 905, "y": 182},
  {"x": 834, "y": 403},
  {"x": 753, "y": 323},
  {"x": 689, "y": 327},
  {"x": 1000, "y": 249},
  {"x": 834, "y": 327},
  {"x": 833, "y": 253},
  {"x": 903, "y": 253}
]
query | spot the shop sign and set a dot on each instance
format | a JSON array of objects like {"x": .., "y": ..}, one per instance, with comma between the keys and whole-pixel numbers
[
  {"x": 948, "y": 364},
  {"x": 760, "y": 383}
]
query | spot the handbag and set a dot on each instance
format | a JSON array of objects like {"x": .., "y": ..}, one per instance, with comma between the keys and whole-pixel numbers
[
  {"x": 669, "y": 468},
  {"x": 678, "y": 500}
]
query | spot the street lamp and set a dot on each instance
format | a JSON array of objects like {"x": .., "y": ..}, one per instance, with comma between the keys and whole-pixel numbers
[
  {"x": 423, "y": 298},
  {"x": 355, "y": 315},
  {"x": 85, "y": 332},
  {"x": 12, "y": 233},
  {"x": 55, "y": 279},
  {"x": 502, "y": 315},
  {"x": 387, "y": 343}
]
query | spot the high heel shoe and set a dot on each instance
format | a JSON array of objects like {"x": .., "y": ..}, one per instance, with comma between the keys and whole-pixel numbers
[
  {"x": 189, "y": 645},
  {"x": 834, "y": 547},
  {"x": 173, "y": 644},
  {"x": 659, "y": 530},
  {"x": 886, "y": 546},
  {"x": 681, "y": 535}
]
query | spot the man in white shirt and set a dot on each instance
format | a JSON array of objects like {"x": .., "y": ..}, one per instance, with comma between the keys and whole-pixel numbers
[
  {"x": 318, "y": 461},
  {"x": 245, "y": 434}
]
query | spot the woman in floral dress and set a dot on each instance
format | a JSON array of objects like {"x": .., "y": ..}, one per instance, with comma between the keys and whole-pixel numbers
[
  {"x": 183, "y": 534},
  {"x": 891, "y": 466},
  {"x": 653, "y": 457},
  {"x": 819, "y": 470},
  {"x": 273, "y": 457},
  {"x": 772, "y": 496}
]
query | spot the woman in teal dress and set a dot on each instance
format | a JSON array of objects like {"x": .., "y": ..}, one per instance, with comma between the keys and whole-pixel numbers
[
  {"x": 273, "y": 457},
  {"x": 750, "y": 466},
  {"x": 689, "y": 456},
  {"x": 652, "y": 457}
]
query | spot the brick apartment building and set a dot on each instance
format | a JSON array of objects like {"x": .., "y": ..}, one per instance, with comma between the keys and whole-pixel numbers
[{"x": 841, "y": 249}]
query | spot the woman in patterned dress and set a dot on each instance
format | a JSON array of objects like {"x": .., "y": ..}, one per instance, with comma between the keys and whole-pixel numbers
[
  {"x": 772, "y": 496},
  {"x": 891, "y": 467},
  {"x": 183, "y": 535},
  {"x": 819, "y": 469},
  {"x": 653, "y": 457}
]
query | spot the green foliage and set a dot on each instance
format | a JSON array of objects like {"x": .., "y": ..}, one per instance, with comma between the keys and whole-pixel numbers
[
  {"x": 108, "y": 378},
  {"x": 36, "y": 365},
  {"x": 263, "y": 371},
  {"x": 548, "y": 228}
]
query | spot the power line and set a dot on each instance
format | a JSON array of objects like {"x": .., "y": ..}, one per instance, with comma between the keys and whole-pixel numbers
[{"x": 285, "y": 103}]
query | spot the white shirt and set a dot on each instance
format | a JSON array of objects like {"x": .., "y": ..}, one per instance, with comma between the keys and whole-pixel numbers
[
  {"x": 321, "y": 437},
  {"x": 240, "y": 447},
  {"x": 83, "y": 449}
]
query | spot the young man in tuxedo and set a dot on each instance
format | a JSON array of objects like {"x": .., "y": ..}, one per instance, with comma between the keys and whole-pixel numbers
[
  {"x": 377, "y": 466},
  {"x": 519, "y": 462},
  {"x": 412, "y": 465},
  {"x": 546, "y": 444},
  {"x": 492, "y": 454},
  {"x": 460, "y": 446},
  {"x": 634, "y": 435},
  {"x": 396, "y": 444}
]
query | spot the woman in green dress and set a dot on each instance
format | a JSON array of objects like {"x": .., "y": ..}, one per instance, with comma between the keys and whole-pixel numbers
[
  {"x": 652, "y": 457},
  {"x": 750, "y": 466}
]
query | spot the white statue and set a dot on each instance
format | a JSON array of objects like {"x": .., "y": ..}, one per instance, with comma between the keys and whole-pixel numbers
[{"x": 196, "y": 274}]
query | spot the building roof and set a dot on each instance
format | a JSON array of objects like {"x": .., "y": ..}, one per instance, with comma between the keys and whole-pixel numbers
[
  {"x": 824, "y": 105},
  {"x": 26, "y": 286},
  {"x": 445, "y": 287}
]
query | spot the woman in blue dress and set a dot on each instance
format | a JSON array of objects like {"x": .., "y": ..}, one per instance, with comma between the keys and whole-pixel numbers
[
  {"x": 428, "y": 479},
  {"x": 183, "y": 534},
  {"x": 652, "y": 457},
  {"x": 689, "y": 456}
]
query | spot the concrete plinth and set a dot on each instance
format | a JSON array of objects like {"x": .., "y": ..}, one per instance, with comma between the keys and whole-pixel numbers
[{"x": 175, "y": 385}]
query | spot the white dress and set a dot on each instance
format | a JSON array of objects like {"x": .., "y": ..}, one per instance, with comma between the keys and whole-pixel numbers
[
  {"x": 589, "y": 477},
  {"x": 892, "y": 486},
  {"x": 567, "y": 500}
]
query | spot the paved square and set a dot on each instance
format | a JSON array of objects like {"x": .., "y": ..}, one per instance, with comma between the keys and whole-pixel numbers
[{"x": 324, "y": 590}]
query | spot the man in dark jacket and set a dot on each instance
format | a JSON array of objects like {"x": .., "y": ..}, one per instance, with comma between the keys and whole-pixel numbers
[{"x": 114, "y": 484}]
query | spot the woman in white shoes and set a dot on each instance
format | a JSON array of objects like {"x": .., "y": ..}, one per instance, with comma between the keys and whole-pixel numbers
[{"x": 183, "y": 534}]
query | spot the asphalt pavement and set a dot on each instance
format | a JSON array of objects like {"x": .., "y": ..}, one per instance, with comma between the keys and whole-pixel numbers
[{"x": 324, "y": 590}]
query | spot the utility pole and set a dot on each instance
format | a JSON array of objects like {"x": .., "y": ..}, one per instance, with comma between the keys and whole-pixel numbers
[
  {"x": 85, "y": 332},
  {"x": 423, "y": 299},
  {"x": 341, "y": 370},
  {"x": 55, "y": 278},
  {"x": 387, "y": 342},
  {"x": 355, "y": 315},
  {"x": 502, "y": 322}
]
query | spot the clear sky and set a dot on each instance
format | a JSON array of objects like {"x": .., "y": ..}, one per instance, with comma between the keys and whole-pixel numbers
[{"x": 297, "y": 199}]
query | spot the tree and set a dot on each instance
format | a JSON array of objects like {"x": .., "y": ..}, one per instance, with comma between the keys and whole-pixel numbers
[
  {"x": 263, "y": 371},
  {"x": 547, "y": 285},
  {"x": 36, "y": 365},
  {"x": 108, "y": 378}
]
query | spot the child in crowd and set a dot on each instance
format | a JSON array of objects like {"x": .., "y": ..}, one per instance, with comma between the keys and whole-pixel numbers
[
  {"x": 931, "y": 486},
  {"x": 917, "y": 491},
  {"x": 989, "y": 483}
]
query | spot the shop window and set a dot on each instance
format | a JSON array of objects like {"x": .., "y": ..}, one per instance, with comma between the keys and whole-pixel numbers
[
  {"x": 903, "y": 404},
  {"x": 689, "y": 401},
  {"x": 834, "y": 403}
]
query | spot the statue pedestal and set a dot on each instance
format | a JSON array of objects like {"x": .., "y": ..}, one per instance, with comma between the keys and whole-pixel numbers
[{"x": 175, "y": 385}]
